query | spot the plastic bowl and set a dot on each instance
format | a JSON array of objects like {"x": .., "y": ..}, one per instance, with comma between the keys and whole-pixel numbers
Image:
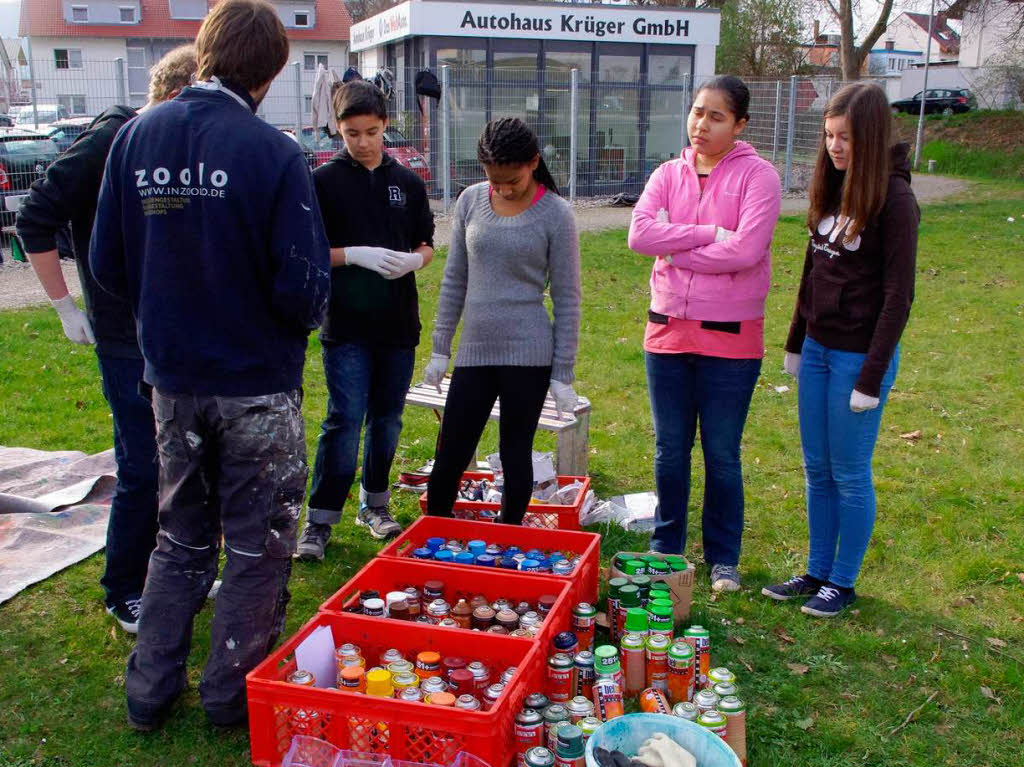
[{"x": 628, "y": 733}]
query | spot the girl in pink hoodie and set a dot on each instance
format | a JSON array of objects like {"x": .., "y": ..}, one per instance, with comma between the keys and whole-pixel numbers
[{"x": 708, "y": 220}]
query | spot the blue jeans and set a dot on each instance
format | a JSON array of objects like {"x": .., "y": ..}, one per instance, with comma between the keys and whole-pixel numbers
[
  {"x": 838, "y": 445},
  {"x": 364, "y": 383},
  {"x": 131, "y": 530},
  {"x": 686, "y": 388}
]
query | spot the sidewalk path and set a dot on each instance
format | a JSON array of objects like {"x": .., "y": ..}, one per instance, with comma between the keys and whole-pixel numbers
[{"x": 19, "y": 287}]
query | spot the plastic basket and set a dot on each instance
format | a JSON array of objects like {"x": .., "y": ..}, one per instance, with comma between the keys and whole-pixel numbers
[
  {"x": 387, "y": 574},
  {"x": 543, "y": 515},
  {"x": 628, "y": 733},
  {"x": 306, "y": 751},
  {"x": 414, "y": 732},
  {"x": 583, "y": 580}
]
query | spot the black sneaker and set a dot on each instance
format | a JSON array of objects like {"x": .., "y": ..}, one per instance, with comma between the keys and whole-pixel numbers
[
  {"x": 379, "y": 521},
  {"x": 829, "y": 601},
  {"x": 126, "y": 613},
  {"x": 798, "y": 586},
  {"x": 313, "y": 542}
]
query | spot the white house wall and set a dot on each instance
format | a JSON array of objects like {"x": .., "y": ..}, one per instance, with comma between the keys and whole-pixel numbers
[{"x": 986, "y": 33}]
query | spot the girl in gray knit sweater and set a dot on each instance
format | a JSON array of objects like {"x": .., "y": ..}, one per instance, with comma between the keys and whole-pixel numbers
[{"x": 511, "y": 237}]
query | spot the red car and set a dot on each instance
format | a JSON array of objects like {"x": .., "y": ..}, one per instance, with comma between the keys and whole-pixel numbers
[{"x": 319, "y": 148}]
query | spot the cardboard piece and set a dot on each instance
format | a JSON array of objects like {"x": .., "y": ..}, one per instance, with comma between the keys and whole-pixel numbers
[{"x": 680, "y": 583}]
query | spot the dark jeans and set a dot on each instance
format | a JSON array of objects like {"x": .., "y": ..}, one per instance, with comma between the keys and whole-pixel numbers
[
  {"x": 364, "y": 383},
  {"x": 716, "y": 391},
  {"x": 131, "y": 531},
  {"x": 470, "y": 399},
  {"x": 235, "y": 465}
]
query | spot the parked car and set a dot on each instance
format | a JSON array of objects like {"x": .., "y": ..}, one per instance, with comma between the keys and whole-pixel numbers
[
  {"x": 6, "y": 121},
  {"x": 945, "y": 101},
  {"x": 43, "y": 115},
  {"x": 64, "y": 132},
  {"x": 405, "y": 152},
  {"x": 320, "y": 148},
  {"x": 24, "y": 156}
]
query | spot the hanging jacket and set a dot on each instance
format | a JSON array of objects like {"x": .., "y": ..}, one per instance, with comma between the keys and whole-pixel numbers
[{"x": 707, "y": 280}]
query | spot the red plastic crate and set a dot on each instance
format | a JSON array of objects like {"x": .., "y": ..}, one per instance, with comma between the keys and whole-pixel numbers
[
  {"x": 543, "y": 515},
  {"x": 386, "y": 574},
  {"x": 415, "y": 732},
  {"x": 583, "y": 581}
]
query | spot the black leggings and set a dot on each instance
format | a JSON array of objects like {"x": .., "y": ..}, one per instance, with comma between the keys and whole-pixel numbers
[{"x": 470, "y": 398}]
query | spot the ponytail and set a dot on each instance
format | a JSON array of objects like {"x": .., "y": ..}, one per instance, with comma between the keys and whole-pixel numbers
[{"x": 509, "y": 141}]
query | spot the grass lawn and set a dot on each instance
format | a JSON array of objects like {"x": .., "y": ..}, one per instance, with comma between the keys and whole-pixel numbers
[{"x": 941, "y": 613}]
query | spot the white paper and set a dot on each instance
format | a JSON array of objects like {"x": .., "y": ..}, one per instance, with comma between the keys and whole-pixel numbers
[
  {"x": 316, "y": 654},
  {"x": 543, "y": 467}
]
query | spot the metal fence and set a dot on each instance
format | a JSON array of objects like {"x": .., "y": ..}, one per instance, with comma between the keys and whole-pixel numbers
[{"x": 600, "y": 134}]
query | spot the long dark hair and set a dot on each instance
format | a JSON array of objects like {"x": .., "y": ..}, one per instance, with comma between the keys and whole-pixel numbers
[
  {"x": 508, "y": 141},
  {"x": 859, "y": 192}
]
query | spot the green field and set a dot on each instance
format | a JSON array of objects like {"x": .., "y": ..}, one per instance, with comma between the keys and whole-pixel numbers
[{"x": 940, "y": 620}]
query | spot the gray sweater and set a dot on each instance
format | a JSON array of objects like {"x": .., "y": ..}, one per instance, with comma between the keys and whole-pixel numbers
[{"x": 495, "y": 276}]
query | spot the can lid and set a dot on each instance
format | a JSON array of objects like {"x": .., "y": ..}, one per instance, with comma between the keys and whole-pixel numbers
[
  {"x": 605, "y": 652},
  {"x": 660, "y": 568},
  {"x": 547, "y": 601},
  {"x": 658, "y": 642},
  {"x": 584, "y": 608},
  {"x": 529, "y": 564},
  {"x": 434, "y": 586},
  {"x": 570, "y": 741},
  {"x": 607, "y": 660},
  {"x": 617, "y": 583},
  {"x": 681, "y": 649},
  {"x": 428, "y": 657},
  {"x": 636, "y": 619},
  {"x": 464, "y": 557},
  {"x": 378, "y": 682},
  {"x": 660, "y": 586},
  {"x": 711, "y": 718},
  {"x": 731, "y": 704},
  {"x": 642, "y": 582},
  {"x": 441, "y": 699},
  {"x": 661, "y": 602},
  {"x": 352, "y": 673},
  {"x": 696, "y": 631},
  {"x": 660, "y": 611},
  {"x": 630, "y": 595}
]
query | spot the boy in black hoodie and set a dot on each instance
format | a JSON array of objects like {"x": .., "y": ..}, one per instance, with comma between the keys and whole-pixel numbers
[{"x": 68, "y": 194}]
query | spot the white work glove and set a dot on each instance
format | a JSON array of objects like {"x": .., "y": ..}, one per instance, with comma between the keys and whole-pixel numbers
[
  {"x": 722, "y": 234},
  {"x": 76, "y": 324},
  {"x": 661, "y": 751},
  {"x": 383, "y": 261},
  {"x": 861, "y": 402},
  {"x": 409, "y": 262},
  {"x": 791, "y": 364},
  {"x": 433, "y": 374},
  {"x": 565, "y": 398}
]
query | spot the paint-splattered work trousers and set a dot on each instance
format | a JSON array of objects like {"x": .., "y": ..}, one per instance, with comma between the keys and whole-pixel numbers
[{"x": 234, "y": 466}]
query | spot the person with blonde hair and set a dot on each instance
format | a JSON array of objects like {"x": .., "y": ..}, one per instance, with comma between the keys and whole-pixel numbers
[{"x": 67, "y": 195}]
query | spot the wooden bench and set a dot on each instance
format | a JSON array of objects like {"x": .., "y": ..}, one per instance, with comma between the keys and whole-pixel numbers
[{"x": 573, "y": 433}]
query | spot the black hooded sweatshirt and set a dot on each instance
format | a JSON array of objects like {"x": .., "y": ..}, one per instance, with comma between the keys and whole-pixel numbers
[
  {"x": 856, "y": 296},
  {"x": 69, "y": 192}
]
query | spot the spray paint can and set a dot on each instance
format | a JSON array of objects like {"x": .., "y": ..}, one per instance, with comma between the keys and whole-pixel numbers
[
  {"x": 657, "y": 662},
  {"x": 735, "y": 712},
  {"x": 584, "y": 663},
  {"x": 699, "y": 639}
]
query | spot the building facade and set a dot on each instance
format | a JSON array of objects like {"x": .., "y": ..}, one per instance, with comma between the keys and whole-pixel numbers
[
  {"x": 634, "y": 68},
  {"x": 89, "y": 54}
]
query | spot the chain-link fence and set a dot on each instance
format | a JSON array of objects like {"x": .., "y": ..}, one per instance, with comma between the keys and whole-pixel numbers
[{"x": 601, "y": 132}]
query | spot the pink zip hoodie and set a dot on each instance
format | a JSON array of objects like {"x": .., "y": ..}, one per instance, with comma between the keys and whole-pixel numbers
[{"x": 706, "y": 280}]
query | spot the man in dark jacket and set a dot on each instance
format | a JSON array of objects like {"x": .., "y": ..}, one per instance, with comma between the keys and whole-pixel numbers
[
  {"x": 208, "y": 226},
  {"x": 67, "y": 194}
]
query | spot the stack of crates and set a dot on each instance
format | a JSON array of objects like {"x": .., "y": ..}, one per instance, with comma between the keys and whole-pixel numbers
[{"x": 410, "y": 731}]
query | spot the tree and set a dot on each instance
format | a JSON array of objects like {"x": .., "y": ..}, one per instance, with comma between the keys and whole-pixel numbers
[
  {"x": 851, "y": 56},
  {"x": 361, "y": 10},
  {"x": 759, "y": 38}
]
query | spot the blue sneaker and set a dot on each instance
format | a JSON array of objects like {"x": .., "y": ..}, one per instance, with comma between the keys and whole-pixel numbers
[{"x": 829, "y": 601}]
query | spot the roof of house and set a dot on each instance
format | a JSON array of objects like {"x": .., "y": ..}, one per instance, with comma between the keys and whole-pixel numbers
[
  {"x": 45, "y": 18},
  {"x": 942, "y": 33},
  {"x": 12, "y": 46}
]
